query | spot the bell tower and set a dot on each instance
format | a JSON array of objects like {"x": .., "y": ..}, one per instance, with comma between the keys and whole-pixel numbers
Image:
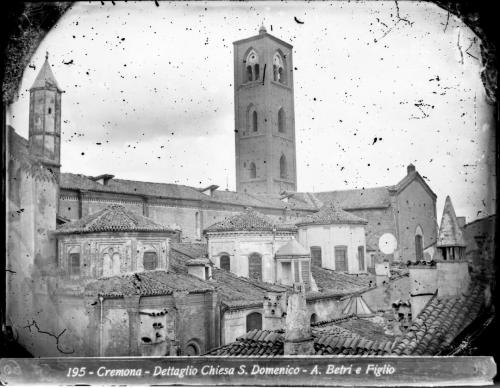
[
  {"x": 45, "y": 119},
  {"x": 264, "y": 115}
]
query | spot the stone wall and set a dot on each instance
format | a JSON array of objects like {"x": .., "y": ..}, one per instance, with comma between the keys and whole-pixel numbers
[{"x": 382, "y": 297}]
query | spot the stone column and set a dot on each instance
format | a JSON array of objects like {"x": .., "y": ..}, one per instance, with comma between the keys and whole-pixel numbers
[{"x": 134, "y": 321}]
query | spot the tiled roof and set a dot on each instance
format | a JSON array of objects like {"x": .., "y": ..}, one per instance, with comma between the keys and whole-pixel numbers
[
  {"x": 114, "y": 218},
  {"x": 327, "y": 279},
  {"x": 450, "y": 233},
  {"x": 366, "y": 198},
  {"x": 292, "y": 248},
  {"x": 439, "y": 323},
  {"x": 45, "y": 77},
  {"x": 265, "y": 343},
  {"x": 331, "y": 214},
  {"x": 82, "y": 182},
  {"x": 169, "y": 190},
  {"x": 147, "y": 283},
  {"x": 249, "y": 220},
  {"x": 234, "y": 291},
  {"x": 190, "y": 249},
  {"x": 408, "y": 179}
]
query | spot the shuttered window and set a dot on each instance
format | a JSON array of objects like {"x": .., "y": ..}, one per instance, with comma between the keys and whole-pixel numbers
[
  {"x": 304, "y": 266},
  {"x": 361, "y": 258},
  {"x": 255, "y": 266},
  {"x": 316, "y": 256},
  {"x": 341, "y": 258}
]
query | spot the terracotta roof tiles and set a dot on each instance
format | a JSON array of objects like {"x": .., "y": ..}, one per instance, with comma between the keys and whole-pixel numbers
[
  {"x": 329, "y": 215},
  {"x": 114, "y": 218},
  {"x": 249, "y": 220}
]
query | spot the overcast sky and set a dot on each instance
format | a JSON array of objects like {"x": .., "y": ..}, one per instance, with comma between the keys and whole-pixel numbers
[{"x": 149, "y": 94}]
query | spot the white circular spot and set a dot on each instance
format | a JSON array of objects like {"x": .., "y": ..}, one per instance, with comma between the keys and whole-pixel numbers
[{"x": 387, "y": 243}]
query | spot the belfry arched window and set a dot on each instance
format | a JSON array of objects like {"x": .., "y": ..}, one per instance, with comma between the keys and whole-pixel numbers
[
  {"x": 252, "y": 66},
  {"x": 253, "y": 171},
  {"x": 283, "y": 167},
  {"x": 278, "y": 68},
  {"x": 281, "y": 120}
]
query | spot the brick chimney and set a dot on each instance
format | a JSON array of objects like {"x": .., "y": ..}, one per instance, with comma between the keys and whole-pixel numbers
[
  {"x": 298, "y": 334},
  {"x": 410, "y": 169}
]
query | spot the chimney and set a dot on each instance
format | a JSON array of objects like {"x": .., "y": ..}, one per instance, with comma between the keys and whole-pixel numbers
[
  {"x": 274, "y": 307},
  {"x": 201, "y": 268},
  {"x": 298, "y": 335},
  {"x": 382, "y": 270},
  {"x": 423, "y": 285},
  {"x": 452, "y": 266},
  {"x": 410, "y": 169}
]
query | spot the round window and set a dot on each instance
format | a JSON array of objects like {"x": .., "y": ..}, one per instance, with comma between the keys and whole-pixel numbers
[{"x": 387, "y": 243}]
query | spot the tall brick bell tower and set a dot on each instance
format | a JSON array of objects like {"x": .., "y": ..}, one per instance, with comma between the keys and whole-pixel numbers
[
  {"x": 264, "y": 115},
  {"x": 45, "y": 119}
]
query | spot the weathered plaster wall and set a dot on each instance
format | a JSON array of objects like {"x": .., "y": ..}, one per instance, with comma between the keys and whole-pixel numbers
[
  {"x": 240, "y": 246},
  {"x": 234, "y": 323},
  {"x": 453, "y": 278},
  {"x": 329, "y": 236},
  {"x": 381, "y": 298}
]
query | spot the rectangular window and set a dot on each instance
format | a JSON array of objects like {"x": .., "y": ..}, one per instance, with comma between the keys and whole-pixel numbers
[
  {"x": 150, "y": 260},
  {"x": 74, "y": 264},
  {"x": 341, "y": 258},
  {"x": 316, "y": 256},
  {"x": 361, "y": 258}
]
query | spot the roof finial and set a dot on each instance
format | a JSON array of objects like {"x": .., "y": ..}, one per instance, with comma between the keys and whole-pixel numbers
[
  {"x": 46, "y": 55},
  {"x": 262, "y": 29}
]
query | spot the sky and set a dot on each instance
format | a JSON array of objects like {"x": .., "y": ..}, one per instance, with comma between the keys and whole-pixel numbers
[{"x": 378, "y": 85}]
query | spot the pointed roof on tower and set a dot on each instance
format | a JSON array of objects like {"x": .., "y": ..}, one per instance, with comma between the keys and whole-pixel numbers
[
  {"x": 450, "y": 233},
  {"x": 45, "y": 77}
]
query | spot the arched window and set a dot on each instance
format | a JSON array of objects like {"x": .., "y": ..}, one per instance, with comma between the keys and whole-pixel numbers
[
  {"x": 281, "y": 120},
  {"x": 192, "y": 349},
  {"x": 254, "y": 321},
  {"x": 252, "y": 66},
  {"x": 314, "y": 318},
  {"x": 255, "y": 266},
  {"x": 253, "y": 171},
  {"x": 225, "y": 262},
  {"x": 278, "y": 72},
  {"x": 283, "y": 167},
  {"x": 419, "y": 244},
  {"x": 150, "y": 260},
  {"x": 255, "y": 122},
  {"x": 316, "y": 256}
]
